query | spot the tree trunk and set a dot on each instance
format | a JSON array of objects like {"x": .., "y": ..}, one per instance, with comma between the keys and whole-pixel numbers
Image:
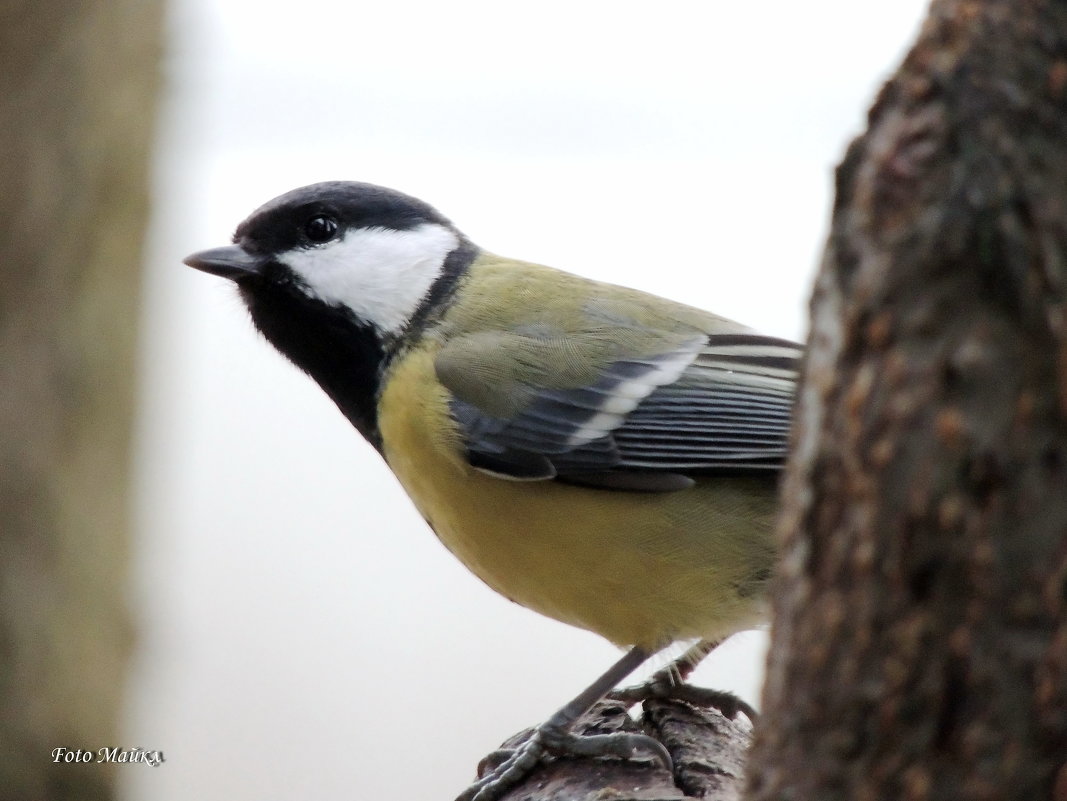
[
  {"x": 919, "y": 648},
  {"x": 76, "y": 113}
]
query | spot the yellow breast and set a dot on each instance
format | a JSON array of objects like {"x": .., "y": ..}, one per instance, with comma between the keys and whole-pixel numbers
[{"x": 638, "y": 568}]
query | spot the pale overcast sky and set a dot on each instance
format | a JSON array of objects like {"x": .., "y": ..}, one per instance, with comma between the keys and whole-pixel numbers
[{"x": 303, "y": 633}]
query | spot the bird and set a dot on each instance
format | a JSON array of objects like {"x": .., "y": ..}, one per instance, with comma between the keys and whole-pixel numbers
[{"x": 601, "y": 455}]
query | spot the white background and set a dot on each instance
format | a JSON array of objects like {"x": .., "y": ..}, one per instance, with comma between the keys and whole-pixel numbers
[{"x": 303, "y": 634}]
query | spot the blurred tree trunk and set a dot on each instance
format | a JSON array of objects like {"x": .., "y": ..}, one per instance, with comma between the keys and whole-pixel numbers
[
  {"x": 919, "y": 648},
  {"x": 77, "y": 104}
]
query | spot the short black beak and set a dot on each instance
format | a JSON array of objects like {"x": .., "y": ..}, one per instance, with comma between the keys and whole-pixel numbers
[{"x": 231, "y": 262}]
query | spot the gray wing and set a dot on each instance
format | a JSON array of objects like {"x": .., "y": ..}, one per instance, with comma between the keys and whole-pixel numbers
[{"x": 713, "y": 403}]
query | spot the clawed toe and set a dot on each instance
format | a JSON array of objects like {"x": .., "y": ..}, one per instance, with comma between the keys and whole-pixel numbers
[
  {"x": 726, "y": 702},
  {"x": 504, "y": 768},
  {"x": 619, "y": 745},
  {"x": 514, "y": 767}
]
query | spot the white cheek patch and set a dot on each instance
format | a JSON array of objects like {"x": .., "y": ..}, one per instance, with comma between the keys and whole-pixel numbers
[{"x": 380, "y": 274}]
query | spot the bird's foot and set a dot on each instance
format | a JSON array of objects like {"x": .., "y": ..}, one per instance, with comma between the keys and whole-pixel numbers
[
  {"x": 660, "y": 687},
  {"x": 669, "y": 682},
  {"x": 503, "y": 769}
]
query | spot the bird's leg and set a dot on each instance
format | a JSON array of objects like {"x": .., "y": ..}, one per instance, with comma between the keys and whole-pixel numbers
[
  {"x": 669, "y": 682},
  {"x": 553, "y": 737},
  {"x": 678, "y": 671}
]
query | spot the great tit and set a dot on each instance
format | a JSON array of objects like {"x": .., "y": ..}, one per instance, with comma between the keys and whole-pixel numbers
[{"x": 603, "y": 456}]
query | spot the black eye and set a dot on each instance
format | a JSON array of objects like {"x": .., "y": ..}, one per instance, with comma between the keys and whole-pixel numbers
[{"x": 321, "y": 228}]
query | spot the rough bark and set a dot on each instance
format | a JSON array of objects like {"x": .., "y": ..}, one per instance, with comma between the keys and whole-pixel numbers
[
  {"x": 77, "y": 85},
  {"x": 919, "y": 648}
]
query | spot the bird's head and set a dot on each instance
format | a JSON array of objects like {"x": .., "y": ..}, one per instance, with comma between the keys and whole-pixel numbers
[
  {"x": 371, "y": 252},
  {"x": 337, "y": 276}
]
